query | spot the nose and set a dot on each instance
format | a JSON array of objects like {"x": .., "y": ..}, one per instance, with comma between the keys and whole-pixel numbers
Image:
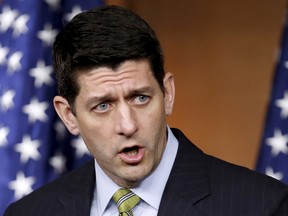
[{"x": 126, "y": 123}]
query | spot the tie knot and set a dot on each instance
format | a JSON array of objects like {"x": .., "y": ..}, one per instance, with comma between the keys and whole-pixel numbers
[{"x": 125, "y": 200}]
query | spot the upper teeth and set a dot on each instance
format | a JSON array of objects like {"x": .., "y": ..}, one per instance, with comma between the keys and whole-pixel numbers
[{"x": 132, "y": 152}]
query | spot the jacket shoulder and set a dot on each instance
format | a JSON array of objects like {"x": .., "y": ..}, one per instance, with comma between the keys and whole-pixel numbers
[
  {"x": 253, "y": 190},
  {"x": 47, "y": 197},
  {"x": 232, "y": 188}
]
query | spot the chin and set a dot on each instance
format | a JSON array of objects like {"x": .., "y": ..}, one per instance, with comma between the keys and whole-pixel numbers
[{"x": 137, "y": 174}]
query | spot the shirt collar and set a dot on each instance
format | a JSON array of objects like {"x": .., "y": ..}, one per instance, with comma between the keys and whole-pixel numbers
[
  {"x": 150, "y": 189},
  {"x": 104, "y": 189}
]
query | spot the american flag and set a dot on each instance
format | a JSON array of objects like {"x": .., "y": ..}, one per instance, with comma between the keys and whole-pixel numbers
[
  {"x": 35, "y": 146},
  {"x": 273, "y": 157}
]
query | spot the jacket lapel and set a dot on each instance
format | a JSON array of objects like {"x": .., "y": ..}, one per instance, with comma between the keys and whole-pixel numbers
[
  {"x": 188, "y": 181},
  {"x": 78, "y": 191}
]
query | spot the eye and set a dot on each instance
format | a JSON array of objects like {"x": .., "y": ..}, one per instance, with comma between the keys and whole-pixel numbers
[
  {"x": 141, "y": 99},
  {"x": 103, "y": 107}
]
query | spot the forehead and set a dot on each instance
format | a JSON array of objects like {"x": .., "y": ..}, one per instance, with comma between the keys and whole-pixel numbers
[{"x": 129, "y": 73}]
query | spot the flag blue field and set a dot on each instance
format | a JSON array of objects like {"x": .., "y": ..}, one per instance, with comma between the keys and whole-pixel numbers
[
  {"x": 35, "y": 147},
  {"x": 273, "y": 155}
]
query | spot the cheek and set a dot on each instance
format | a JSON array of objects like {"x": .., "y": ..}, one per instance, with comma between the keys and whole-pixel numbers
[
  {"x": 96, "y": 139},
  {"x": 102, "y": 152},
  {"x": 154, "y": 115},
  {"x": 91, "y": 128},
  {"x": 155, "y": 128}
]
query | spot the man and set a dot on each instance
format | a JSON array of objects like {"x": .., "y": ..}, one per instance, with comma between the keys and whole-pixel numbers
[{"x": 113, "y": 91}]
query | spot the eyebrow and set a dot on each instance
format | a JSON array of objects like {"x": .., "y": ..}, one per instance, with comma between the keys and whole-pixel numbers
[
  {"x": 139, "y": 91},
  {"x": 98, "y": 99},
  {"x": 111, "y": 97}
]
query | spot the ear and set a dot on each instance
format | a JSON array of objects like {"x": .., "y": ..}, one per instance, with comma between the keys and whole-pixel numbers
[
  {"x": 169, "y": 88},
  {"x": 64, "y": 111}
]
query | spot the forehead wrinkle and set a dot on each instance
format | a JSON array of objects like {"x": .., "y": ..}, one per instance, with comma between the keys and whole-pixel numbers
[
  {"x": 116, "y": 77},
  {"x": 107, "y": 74},
  {"x": 99, "y": 78}
]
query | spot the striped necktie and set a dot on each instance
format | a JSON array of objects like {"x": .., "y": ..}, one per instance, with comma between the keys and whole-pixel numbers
[{"x": 126, "y": 200}]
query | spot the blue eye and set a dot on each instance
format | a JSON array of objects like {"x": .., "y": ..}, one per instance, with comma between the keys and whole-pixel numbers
[
  {"x": 102, "y": 107},
  {"x": 141, "y": 99}
]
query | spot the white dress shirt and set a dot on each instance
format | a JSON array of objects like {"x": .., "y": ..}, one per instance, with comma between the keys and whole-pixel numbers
[{"x": 150, "y": 189}]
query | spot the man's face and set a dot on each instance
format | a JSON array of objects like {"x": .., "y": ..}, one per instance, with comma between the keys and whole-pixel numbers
[{"x": 121, "y": 117}]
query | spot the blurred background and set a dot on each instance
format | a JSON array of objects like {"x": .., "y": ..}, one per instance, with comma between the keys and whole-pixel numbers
[{"x": 223, "y": 55}]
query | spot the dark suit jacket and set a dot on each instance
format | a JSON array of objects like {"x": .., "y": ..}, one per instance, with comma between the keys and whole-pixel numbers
[{"x": 199, "y": 184}]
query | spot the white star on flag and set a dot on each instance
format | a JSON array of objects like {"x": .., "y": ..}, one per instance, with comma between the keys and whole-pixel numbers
[
  {"x": 3, "y": 53},
  {"x": 75, "y": 10},
  {"x": 276, "y": 175},
  {"x": 4, "y": 131},
  {"x": 42, "y": 74},
  {"x": 21, "y": 185},
  {"x": 278, "y": 143},
  {"x": 14, "y": 62},
  {"x": 20, "y": 25},
  {"x": 6, "y": 100},
  {"x": 28, "y": 149},
  {"x": 54, "y": 4},
  {"x": 61, "y": 130},
  {"x": 58, "y": 163},
  {"x": 7, "y": 18},
  {"x": 47, "y": 35},
  {"x": 80, "y": 147},
  {"x": 36, "y": 110},
  {"x": 286, "y": 64},
  {"x": 283, "y": 104}
]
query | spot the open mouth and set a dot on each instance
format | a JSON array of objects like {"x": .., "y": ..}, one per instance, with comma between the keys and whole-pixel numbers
[
  {"x": 132, "y": 155},
  {"x": 131, "y": 151}
]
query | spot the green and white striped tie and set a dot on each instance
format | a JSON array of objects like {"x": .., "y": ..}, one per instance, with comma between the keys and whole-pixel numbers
[{"x": 126, "y": 200}]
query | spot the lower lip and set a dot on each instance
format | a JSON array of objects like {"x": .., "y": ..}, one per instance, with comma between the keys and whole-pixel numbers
[{"x": 133, "y": 159}]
